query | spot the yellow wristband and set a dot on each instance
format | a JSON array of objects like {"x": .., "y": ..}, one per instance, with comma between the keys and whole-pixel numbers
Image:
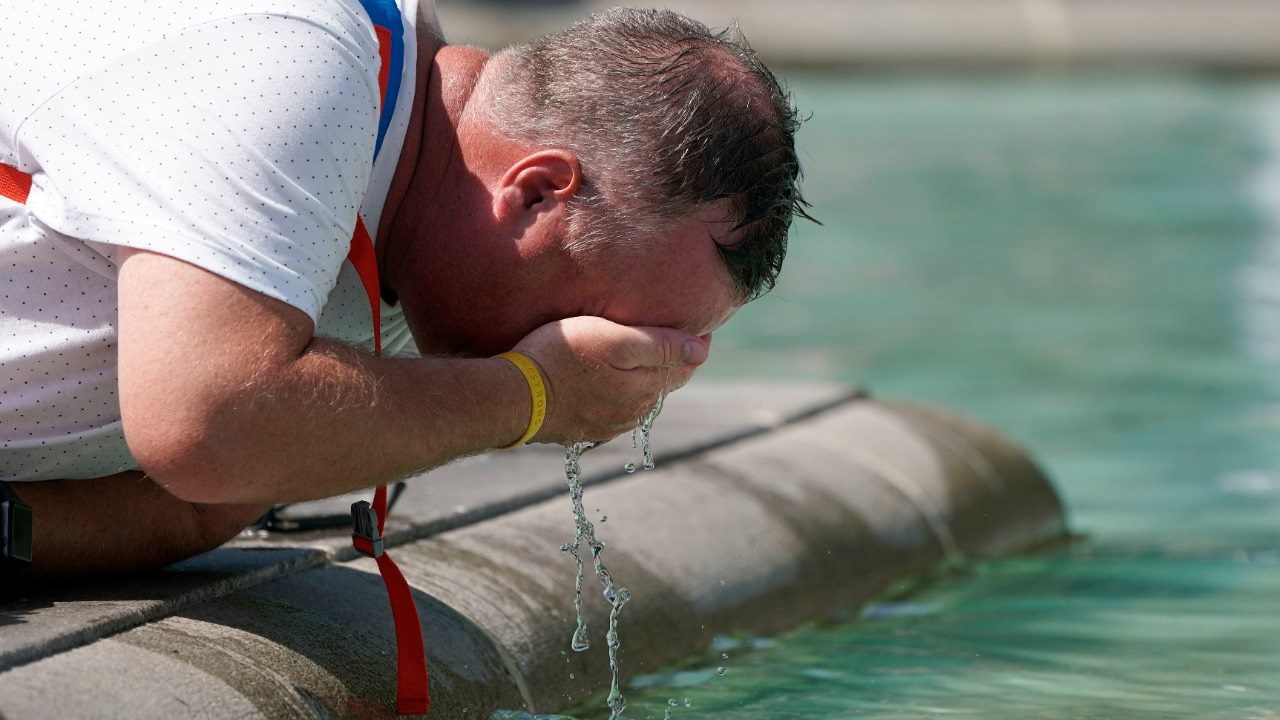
[{"x": 537, "y": 393}]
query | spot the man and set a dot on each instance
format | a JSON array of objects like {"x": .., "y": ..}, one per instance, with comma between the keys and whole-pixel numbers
[{"x": 183, "y": 343}]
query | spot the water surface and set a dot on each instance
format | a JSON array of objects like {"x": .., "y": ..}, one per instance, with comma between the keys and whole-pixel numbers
[{"x": 1092, "y": 264}]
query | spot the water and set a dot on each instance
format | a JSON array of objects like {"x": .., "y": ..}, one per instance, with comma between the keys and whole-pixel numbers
[
  {"x": 584, "y": 532},
  {"x": 617, "y": 597},
  {"x": 641, "y": 433},
  {"x": 1091, "y": 263}
]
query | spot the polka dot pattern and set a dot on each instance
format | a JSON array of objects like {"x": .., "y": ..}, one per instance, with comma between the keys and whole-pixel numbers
[{"x": 235, "y": 135}]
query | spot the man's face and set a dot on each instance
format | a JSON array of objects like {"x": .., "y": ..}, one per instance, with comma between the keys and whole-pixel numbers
[{"x": 674, "y": 280}]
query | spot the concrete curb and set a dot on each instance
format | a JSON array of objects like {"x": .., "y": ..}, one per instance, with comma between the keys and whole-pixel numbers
[{"x": 810, "y": 518}]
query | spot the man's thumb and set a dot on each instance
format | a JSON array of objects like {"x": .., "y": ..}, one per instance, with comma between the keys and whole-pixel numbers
[
  {"x": 662, "y": 347},
  {"x": 695, "y": 351}
]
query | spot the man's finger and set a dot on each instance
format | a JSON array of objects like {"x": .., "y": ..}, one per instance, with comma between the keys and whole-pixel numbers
[{"x": 657, "y": 347}]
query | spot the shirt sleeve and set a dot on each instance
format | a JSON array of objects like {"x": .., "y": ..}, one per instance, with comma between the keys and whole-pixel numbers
[{"x": 242, "y": 146}]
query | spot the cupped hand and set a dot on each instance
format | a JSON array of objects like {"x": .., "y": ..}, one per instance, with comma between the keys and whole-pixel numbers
[{"x": 602, "y": 377}]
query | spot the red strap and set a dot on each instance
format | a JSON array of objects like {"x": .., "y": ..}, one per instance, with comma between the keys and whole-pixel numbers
[
  {"x": 364, "y": 260},
  {"x": 384, "y": 54},
  {"x": 413, "y": 690},
  {"x": 14, "y": 184},
  {"x": 380, "y": 507}
]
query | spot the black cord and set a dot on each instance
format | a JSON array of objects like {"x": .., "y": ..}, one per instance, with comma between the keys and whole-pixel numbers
[{"x": 271, "y": 521}]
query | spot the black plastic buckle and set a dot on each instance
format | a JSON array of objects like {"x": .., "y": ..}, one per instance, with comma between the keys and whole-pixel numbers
[{"x": 364, "y": 529}]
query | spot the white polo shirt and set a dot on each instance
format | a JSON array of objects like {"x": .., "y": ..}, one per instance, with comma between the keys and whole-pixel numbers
[{"x": 236, "y": 135}]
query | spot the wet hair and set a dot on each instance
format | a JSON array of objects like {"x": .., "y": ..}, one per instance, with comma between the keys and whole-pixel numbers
[{"x": 667, "y": 118}]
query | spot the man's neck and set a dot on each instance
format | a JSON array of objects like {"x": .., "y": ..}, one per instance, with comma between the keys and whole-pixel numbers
[{"x": 445, "y": 79}]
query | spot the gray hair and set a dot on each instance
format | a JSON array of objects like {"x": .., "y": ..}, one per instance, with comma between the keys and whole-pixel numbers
[{"x": 666, "y": 118}]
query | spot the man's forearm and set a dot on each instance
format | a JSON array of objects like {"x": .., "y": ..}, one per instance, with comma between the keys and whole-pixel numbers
[
  {"x": 332, "y": 421},
  {"x": 226, "y": 397}
]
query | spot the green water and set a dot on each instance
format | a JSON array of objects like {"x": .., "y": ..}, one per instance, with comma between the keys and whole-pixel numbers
[{"x": 1091, "y": 264}]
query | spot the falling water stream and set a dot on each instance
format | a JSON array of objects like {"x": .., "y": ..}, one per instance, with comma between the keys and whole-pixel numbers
[{"x": 585, "y": 532}]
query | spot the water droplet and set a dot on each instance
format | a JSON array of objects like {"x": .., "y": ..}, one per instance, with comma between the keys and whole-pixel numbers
[
  {"x": 724, "y": 656},
  {"x": 580, "y": 641},
  {"x": 688, "y": 703},
  {"x": 720, "y": 671},
  {"x": 571, "y": 676},
  {"x": 629, "y": 468},
  {"x": 672, "y": 702},
  {"x": 616, "y": 702}
]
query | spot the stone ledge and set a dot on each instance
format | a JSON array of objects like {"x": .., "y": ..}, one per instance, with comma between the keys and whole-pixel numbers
[{"x": 825, "y": 506}]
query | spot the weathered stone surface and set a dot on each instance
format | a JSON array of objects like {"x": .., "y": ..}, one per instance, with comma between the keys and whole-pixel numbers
[{"x": 753, "y": 520}]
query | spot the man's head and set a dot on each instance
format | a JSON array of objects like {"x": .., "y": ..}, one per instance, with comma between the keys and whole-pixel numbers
[
  {"x": 666, "y": 118},
  {"x": 639, "y": 145}
]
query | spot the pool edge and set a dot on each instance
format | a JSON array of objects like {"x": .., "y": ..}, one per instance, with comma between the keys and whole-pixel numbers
[{"x": 809, "y": 518}]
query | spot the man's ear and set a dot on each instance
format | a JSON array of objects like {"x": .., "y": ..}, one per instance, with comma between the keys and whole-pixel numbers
[{"x": 536, "y": 183}]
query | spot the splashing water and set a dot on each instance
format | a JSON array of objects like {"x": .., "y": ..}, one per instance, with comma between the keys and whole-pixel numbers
[
  {"x": 616, "y": 596},
  {"x": 642, "y": 433},
  {"x": 584, "y": 532}
]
